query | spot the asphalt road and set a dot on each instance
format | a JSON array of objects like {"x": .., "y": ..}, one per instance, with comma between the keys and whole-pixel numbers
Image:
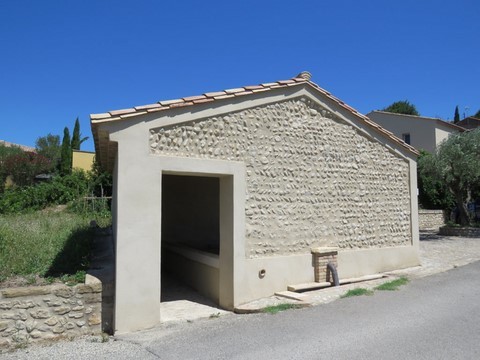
[{"x": 436, "y": 317}]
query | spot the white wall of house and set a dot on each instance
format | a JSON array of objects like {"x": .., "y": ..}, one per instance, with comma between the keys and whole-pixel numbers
[
  {"x": 441, "y": 134},
  {"x": 425, "y": 133}
]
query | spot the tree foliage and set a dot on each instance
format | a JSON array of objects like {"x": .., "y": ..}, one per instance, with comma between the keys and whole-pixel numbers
[
  {"x": 5, "y": 153},
  {"x": 456, "y": 116},
  {"x": 49, "y": 146},
  {"x": 23, "y": 167},
  {"x": 456, "y": 163},
  {"x": 69, "y": 189},
  {"x": 477, "y": 115},
  {"x": 402, "y": 107},
  {"x": 433, "y": 194},
  {"x": 66, "y": 153},
  {"x": 77, "y": 139},
  {"x": 61, "y": 190}
]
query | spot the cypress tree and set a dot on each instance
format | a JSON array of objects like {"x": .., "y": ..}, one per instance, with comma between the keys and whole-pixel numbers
[
  {"x": 456, "y": 117},
  {"x": 77, "y": 137},
  {"x": 66, "y": 155}
]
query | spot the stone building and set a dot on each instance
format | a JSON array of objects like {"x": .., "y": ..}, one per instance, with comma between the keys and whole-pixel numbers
[{"x": 231, "y": 190}]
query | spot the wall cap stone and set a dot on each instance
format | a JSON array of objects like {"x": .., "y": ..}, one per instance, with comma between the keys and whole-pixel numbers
[
  {"x": 325, "y": 250},
  {"x": 25, "y": 291}
]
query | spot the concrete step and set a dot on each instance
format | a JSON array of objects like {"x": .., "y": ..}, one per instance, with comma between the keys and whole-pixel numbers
[
  {"x": 320, "y": 285},
  {"x": 308, "y": 286},
  {"x": 291, "y": 295}
]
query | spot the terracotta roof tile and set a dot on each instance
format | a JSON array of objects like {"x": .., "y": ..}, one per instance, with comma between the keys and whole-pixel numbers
[
  {"x": 122, "y": 111},
  {"x": 100, "y": 116},
  {"x": 253, "y": 87},
  {"x": 246, "y": 92},
  {"x": 227, "y": 96},
  {"x": 269, "y": 84},
  {"x": 235, "y": 90},
  {"x": 260, "y": 90},
  {"x": 158, "y": 109},
  {"x": 146, "y": 107},
  {"x": 215, "y": 93},
  {"x": 133, "y": 114},
  {"x": 193, "y": 98},
  {"x": 201, "y": 101},
  {"x": 181, "y": 104},
  {"x": 170, "y": 102}
]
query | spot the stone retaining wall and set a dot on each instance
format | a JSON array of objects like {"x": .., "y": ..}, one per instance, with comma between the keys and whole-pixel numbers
[
  {"x": 36, "y": 313},
  {"x": 462, "y": 232},
  {"x": 430, "y": 219}
]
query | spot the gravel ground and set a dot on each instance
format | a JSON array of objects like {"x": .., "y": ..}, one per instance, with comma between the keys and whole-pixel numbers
[{"x": 86, "y": 348}]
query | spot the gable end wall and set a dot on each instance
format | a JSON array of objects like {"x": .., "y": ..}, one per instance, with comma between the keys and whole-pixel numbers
[{"x": 312, "y": 179}]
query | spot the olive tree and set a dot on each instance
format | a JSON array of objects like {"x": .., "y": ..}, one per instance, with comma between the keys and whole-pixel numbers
[
  {"x": 433, "y": 193},
  {"x": 456, "y": 163}
]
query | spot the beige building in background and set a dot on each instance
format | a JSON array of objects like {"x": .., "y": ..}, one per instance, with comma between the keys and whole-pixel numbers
[
  {"x": 231, "y": 190},
  {"x": 83, "y": 160},
  {"x": 423, "y": 133}
]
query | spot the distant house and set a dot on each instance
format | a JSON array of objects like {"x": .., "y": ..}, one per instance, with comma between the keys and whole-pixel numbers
[
  {"x": 233, "y": 191},
  {"x": 23, "y": 147},
  {"x": 423, "y": 133},
  {"x": 469, "y": 123},
  {"x": 83, "y": 160}
]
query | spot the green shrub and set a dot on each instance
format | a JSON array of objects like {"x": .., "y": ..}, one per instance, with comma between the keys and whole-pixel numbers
[
  {"x": 25, "y": 166},
  {"x": 61, "y": 190}
]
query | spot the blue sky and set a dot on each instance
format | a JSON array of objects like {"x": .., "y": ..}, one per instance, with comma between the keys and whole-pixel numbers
[{"x": 66, "y": 59}]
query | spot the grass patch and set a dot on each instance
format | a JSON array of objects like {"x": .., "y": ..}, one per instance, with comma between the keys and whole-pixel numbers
[
  {"x": 393, "y": 285},
  {"x": 357, "y": 292},
  {"x": 280, "y": 307},
  {"x": 49, "y": 244}
]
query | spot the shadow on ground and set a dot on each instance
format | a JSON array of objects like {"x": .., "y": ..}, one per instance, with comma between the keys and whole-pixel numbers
[
  {"x": 74, "y": 256},
  {"x": 173, "y": 290},
  {"x": 430, "y": 235}
]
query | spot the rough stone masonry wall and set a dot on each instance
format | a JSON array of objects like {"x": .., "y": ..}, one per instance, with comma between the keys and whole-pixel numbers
[
  {"x": 430, "y": 219},
  {"x": 38, "y": 313},
  {"x": 312, "y": 179}
]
